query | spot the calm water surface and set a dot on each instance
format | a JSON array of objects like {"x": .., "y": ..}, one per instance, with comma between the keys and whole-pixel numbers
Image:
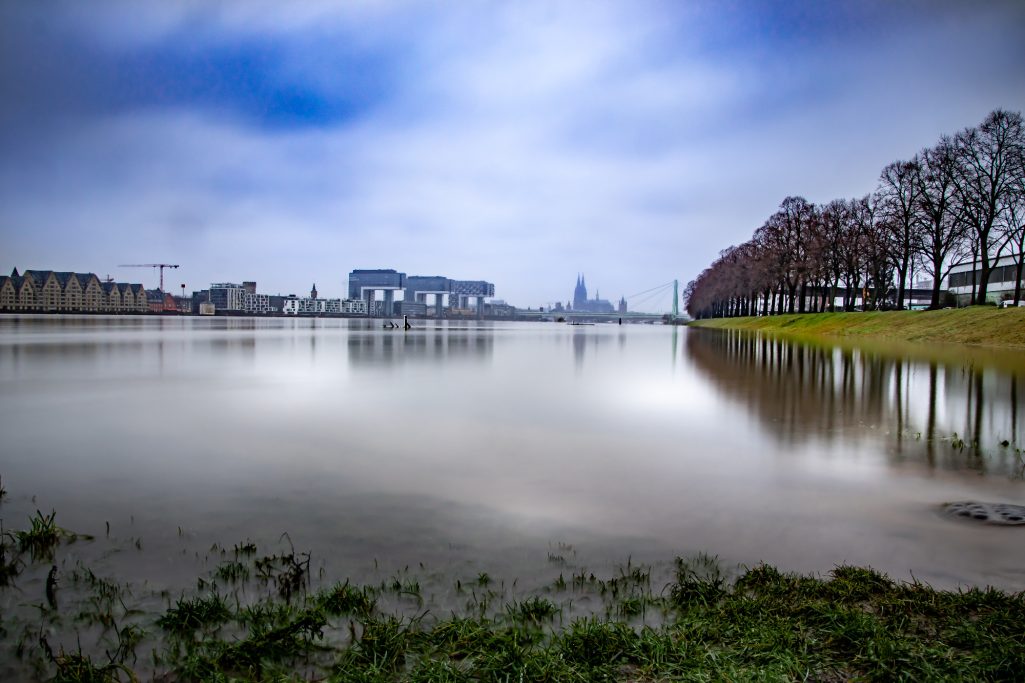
[{"x": 491, "y": 446}]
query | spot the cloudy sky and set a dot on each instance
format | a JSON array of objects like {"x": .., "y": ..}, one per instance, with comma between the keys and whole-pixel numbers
[{"x": 518, "y": 142}]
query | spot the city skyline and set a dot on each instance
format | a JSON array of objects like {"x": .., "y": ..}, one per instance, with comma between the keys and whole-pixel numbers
[
  {"x": 580, "y": 294},
  {"x": 630, "y": 141}
]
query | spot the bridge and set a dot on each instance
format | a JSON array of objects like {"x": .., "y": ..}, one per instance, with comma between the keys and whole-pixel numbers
[
  {"x": 586, "y": 317},
  {"x": 646, "y": 297}
]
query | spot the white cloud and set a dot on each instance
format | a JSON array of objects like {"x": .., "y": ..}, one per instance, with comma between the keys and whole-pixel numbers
[{"x": 521, "y": 143}]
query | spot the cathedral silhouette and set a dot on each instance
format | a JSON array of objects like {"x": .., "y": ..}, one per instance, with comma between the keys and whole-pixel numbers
[{"x": 582, "y": 303}]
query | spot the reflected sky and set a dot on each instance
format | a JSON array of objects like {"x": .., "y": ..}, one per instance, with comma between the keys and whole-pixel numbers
[{"x": 480, "y": 445}]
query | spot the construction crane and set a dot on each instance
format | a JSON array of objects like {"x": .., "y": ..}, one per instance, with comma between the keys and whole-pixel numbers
[{"x": 161, "y": 266}]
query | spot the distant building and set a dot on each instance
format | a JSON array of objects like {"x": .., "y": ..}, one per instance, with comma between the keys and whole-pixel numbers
[
  {"x": 622, "y": 305},
  {"x": 464, "y": 290},
  {"x": 293, "y": 305},
  {"x": 160, "y": 301},
  {"x": 414, "y": 309},
  {"x": 500, "y": 309},
  {"x": 354, "y": 307},
  {"x": 229, "y": 297},
  {"x": 415, "y": 289},
  {"x": 364, "y": 284},
  {"x": 964, "y": 279},
  {"x": 277, "y": 302},
  {"x": 582, "y": 304},
  {"x": 257, "y": 304},
  {"x": 226, "y": 296},
  {"x": 183, "y": 304},
  {"x": 67, "y": 292}
]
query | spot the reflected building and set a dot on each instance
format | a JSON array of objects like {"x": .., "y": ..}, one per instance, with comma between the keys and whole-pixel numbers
[{"x": 383, "y": 349}]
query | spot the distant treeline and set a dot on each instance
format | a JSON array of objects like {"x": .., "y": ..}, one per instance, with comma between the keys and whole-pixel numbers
[{"x": 962, "y": 199}]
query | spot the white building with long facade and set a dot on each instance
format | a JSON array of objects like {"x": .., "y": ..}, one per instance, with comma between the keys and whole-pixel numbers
[
  {"x": 1001, "y": 280},
  {"x": 294, "y": 305}
]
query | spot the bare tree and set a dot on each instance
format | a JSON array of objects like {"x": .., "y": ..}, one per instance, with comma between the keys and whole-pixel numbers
[
  {"x": 876, "y": 260},
  {"x": 773, "y": 260},
  {"x": 991, "y": 159},
  {"x": 852, "y": 249},
  {"x": 966, "y": 194},
  {"x": 944, "y": 229},
  {"x": 900, "y": 212},
  {"x": 790, "y": 225},
  {"x": 834, "y": 219}
]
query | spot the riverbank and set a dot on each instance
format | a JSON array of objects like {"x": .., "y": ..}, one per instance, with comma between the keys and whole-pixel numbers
[
  {"x": 976, "y": 325},
  {"x": 258, "y": 616}
]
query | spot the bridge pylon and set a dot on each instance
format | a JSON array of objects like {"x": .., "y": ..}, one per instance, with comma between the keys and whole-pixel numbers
[{"x": 676, "y": 301}]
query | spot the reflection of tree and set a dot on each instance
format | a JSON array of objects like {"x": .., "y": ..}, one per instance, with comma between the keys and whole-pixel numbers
[{"x": 803, "y": 391}]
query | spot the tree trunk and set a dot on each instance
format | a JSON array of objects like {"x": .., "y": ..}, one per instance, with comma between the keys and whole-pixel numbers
[
  {"x": 902, "y": 275},
  {"x": 975, "y": 255},
  {"x": 937, "y": 264},
  {"x": 1017, "y": 280},
  {"x": 984, "y": 274}
]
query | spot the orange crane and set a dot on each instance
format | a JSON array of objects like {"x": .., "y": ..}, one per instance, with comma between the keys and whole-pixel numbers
[{"x": 161, "y": 266}]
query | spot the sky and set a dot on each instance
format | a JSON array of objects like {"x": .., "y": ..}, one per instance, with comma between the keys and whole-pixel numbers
[{"x": 516, "y": 142}]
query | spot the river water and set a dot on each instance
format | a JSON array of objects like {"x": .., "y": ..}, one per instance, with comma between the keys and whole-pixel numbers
[{"x": 506, "y": 447}]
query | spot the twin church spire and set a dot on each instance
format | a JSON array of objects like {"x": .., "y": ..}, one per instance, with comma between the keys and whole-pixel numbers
[
  {"x": 582, "y": 303},
  {"x": 580, "y": 293}
]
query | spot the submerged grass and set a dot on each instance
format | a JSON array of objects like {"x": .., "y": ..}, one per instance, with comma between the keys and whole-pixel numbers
[
  {"x": 43, "y": 535},
  {"x": 855, "y": 624},
  {"x": 257, "y": 618}
]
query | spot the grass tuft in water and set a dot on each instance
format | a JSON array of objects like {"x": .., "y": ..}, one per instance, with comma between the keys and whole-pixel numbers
[
  {"x": 190, "y": 615},
  {"x": 41, "y": 537},
  {"x": 345, "y": 598},
  {"x": 533, "y": 610},
  {"x": 707, "y": 624}
]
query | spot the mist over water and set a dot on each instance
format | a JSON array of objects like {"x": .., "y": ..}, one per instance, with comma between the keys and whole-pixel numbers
[{"x": 484, "y": 446}]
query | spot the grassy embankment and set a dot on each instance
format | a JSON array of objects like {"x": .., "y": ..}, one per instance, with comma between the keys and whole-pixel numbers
[
  {"x": 256, "y": 617},
  {"x": 978, "y": 325}
]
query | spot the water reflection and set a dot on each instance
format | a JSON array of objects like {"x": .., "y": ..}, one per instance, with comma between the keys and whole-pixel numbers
[
  {"x": 392, "y": 350},
  {"x": 473, "y": 446},
  {"x": 949, "y": 415}
]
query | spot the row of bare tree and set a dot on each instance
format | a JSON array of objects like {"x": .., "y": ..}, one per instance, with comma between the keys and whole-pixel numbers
[{"x": 962, "y": 199}]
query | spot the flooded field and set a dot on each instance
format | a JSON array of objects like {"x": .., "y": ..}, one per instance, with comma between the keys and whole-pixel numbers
[
  {"x": 471, "y": 447},
  {"x": 456, "y": 467}
]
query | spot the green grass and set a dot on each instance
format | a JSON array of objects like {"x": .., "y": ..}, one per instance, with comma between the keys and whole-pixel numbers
[
  {"x": 854, "y": 624},
  {"x": 258, "y": 618},
  {"x": 977, "y": 325},
  {"x": 43, "y": 536}
]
